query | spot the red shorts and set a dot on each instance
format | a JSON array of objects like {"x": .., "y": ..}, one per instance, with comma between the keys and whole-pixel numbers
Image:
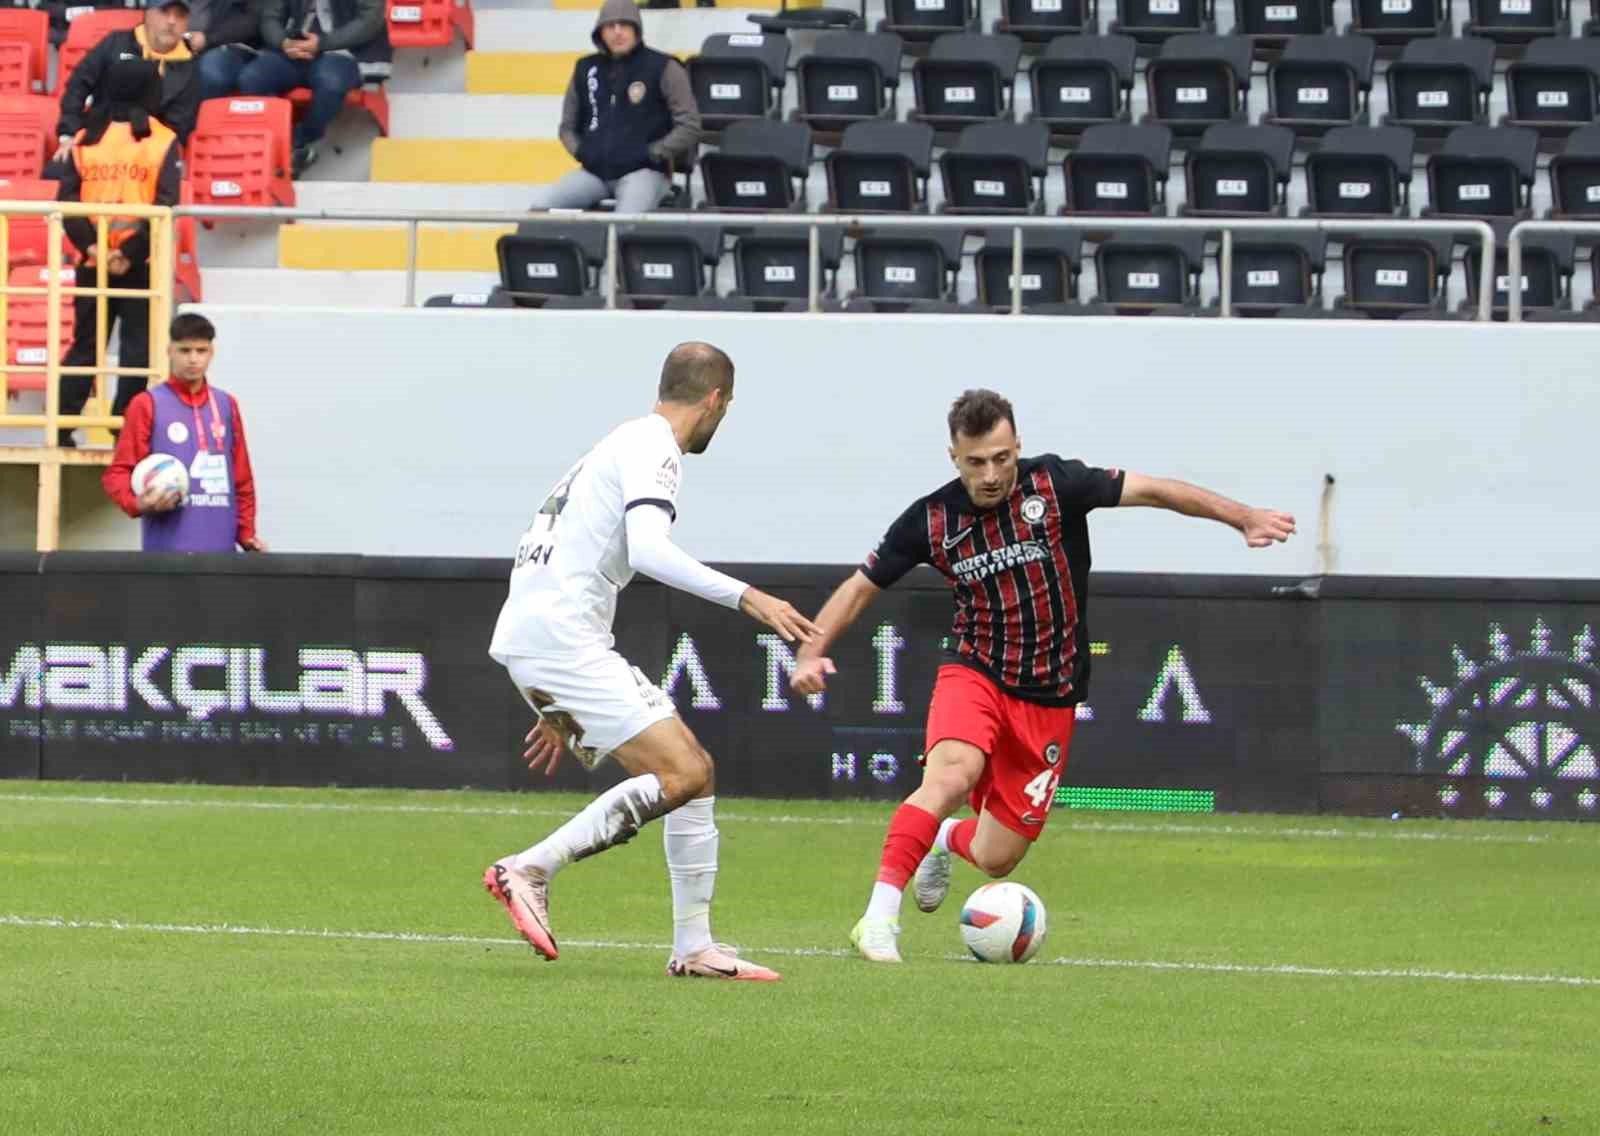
[{"x": 1026, "y": 745}]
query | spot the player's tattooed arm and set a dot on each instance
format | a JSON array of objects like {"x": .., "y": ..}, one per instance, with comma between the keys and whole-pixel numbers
[
  {"x": 812, "y": 664},
  {"x": 1260, "y": 527}
]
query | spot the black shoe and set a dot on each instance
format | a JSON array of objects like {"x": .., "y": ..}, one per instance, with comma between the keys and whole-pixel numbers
[{"x": 304, "y": 158}]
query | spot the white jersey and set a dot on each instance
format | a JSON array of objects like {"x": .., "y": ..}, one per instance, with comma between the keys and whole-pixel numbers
[{"x": 573, "y": 559}]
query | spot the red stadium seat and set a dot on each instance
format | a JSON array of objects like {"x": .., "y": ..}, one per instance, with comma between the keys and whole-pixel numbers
[
  {"x": 27, "y": 134},
  {"x": 25, "y": 236},
  {"x": 370, "y": 100},
  {"x": 30, "y": 30},
  {"x": 88, "y": 30},
  {"x": 16, "y": 67},
  {"x": 239, "y": 153},
  {"x": 27, "y": 325},
  {"x": 429, "y": 23}
]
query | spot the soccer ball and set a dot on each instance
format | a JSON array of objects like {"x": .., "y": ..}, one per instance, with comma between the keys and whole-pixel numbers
[
  {"x": 1003, "y": 922},
  {"x": 160, "y": 472}
]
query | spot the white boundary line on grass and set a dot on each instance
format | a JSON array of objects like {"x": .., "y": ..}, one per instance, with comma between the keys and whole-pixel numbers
[
  {"x": 1398, "y": 833},
  {"x": 1287, "y": 969}
]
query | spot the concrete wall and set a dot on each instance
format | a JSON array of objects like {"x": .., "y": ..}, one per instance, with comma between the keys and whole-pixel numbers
[{"x": 1458, "y": 450}]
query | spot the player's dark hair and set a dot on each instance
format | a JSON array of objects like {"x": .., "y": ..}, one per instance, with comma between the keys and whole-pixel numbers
[
  {"x": 977, "y": 412},
  {"x": 692, "y": 371},
  {"x": 192, "y": 326}
]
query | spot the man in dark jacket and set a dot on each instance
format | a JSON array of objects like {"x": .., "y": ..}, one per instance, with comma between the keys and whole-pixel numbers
[
  {"x": 158, "y": 39},
  {"x": 629, "y": 117},
  {"x": 225, "y": 34},
  {"x": 331, "y": 46}
]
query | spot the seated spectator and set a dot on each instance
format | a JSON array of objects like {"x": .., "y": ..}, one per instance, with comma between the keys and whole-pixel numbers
[
  {"x": 629, "y": 117},
  {"x": 158, "y": 39},
  {"x": 225, "y": 35},
  {"x": 331, "y": 46}
]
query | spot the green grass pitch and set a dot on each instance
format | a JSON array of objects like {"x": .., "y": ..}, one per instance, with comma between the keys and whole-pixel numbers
[{"x": 179, "y": 959}]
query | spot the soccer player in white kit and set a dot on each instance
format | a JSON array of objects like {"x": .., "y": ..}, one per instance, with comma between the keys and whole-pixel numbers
[{"x": 609, "y": 517}]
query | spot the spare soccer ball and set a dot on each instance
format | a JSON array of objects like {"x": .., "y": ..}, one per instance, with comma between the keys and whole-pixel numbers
[
  {"x": 1003, "y": 922},
  {"x": 160, "y": 472}
]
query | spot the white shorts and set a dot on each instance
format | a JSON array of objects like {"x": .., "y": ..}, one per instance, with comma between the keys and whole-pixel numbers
[{"x": 597, "y": 701}]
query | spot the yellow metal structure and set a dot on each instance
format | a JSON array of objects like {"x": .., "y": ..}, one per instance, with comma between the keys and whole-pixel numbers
[{"x": 48, "y": 456}]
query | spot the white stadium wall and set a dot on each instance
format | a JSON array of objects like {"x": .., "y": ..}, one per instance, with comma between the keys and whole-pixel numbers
[{"x": 1457, "y": 450}]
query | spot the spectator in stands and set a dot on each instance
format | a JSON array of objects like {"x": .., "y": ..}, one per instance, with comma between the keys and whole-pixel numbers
[
  {"x": 124, "y": 156},
  {"x": 200, "y": 425},
  {"x": 225, "y": 35},
  {"x": 158, "y": 39},
  {"x": 629, "y": 117},
  {"x": 331, "y": 46}
]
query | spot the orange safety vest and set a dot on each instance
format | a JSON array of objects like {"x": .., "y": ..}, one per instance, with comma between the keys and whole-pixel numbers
[{"x": 122, "y": 170}]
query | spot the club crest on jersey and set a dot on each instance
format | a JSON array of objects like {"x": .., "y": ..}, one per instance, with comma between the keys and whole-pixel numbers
[
  {"x": 1033, "y": 509},
  {"x": 1052, "y": 753},
  {"x": 636, "y": 92},
  {"x": 667, "y": 475}
]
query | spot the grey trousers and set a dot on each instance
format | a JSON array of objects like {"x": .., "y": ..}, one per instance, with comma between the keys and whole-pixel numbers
[{"x": 638, "y": 192}]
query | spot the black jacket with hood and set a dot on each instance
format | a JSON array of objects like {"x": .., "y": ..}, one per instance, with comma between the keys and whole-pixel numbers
[{"x": 180, "y": 82}]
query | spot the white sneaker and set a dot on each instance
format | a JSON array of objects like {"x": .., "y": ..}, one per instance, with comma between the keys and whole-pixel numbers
[
  {"x": 877, "y": 939},
  {"x": 932, "y": 882}
]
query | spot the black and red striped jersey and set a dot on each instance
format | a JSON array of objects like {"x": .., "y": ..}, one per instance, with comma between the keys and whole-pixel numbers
[{"x": 1019, "y": 570}]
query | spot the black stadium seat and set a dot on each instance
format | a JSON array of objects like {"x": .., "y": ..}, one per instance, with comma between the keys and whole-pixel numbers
[
  {"x": 1118, "y": 169},
  {"x": 1483, "y": 171},
  {"x": 1320, "y": 82},
  {"x": 1041, "y": 21},
  {"x": 996, "y": 167},
  {"x": 1275, "y": 273},
  {"x": 657, "y": 261},
  {"x": 881, "y": 167},
  {"x": 739, "y": 76},
  {"x": 1514, "y": 22},
  {"x": 1392, "y": 23},
  {"x": 908, "y": 264},
  {"x": 552, "y": 259},
  {"x": 1575, "y": 177},
  {"x": 918, "y": 21},
  {"x": 1388, "y": 276},
  {"x": 1239, "y": 170},
  {"x": 1271, "y": 23},
  {"x": 494, "y": 298},
  {"x": 1151, "y": 22},
  {"x": 772, "y": 263},
  {"x": 1148, "y": 274},
  {"x": 1555, "y": 86},
  {"x": 760, "y": 165},
  {"x": 1198, "y": 81},
  {"x": 1439, "y": 84},
  {"x": 787, "y": 19},
  {"x": 1080, "y": 81},
  {"x": 966, "y": 78},
  {"x": 1051, "y": 263},
  {"x": 1361, "y": 171},
  {"x": 1547, "y": 261},
  {"x": 848, "y": 77}
]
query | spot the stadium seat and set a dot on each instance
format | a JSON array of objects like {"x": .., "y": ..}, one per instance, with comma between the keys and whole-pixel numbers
[
  {"x": 849, "y": 77},
  {"x": 919, "y": 21},
  {"x": 27, "y": 240},
  {"x": 1547, "y": 262},
  {"x": 1555, "y": 87},
  {"x": 1198, "y": 81},
  {"x": 1320, "y": 82},
  {"x": 787, "y": 19},
  {"x": 739, "y": 76},
  {"x": 86, "y": 30},
  {"x": 1439, "y": 84},
  {"x": 494, "y": 298},
  {"x": 772, "y": 263},
  {"x": 658, "y": 261},
  {"x": 1575, "y": 177},
  {"x": 966, "y": 78},
  {"x": 1151, "y": 22},
  {"x": 1080, "y": 81},
  {"x": 760, "y": 165},
  {"x": 908, "y": 264},
  {"x": 1392, "y": 23},
  {"x": 551, "y": 259},
  {"x": 429, "y": 23},
  {"x": 1118, "y": 169},
  {"x": 27, "y": 327},
  {"x": 27, "y": 134},
  {"x": 1043, "y": 21},
  {"x": 1511, "y": 23},
  {"x": 708, "y": 303},
  {"x": 881, "y": 167},
  {"x": 1388, "y": 276},
  {"x": 1483, "y": 171},
  {"x": 370, "y": 99},
  {"x": 24, "y": 51},
  {"x": 1150, "y": 274},
  {"x": 1239, "y": 170},
  {"x": 1271, "y": 24},
  {"x": 1051, "y": 264},
  {"x": 996, "y": 167},
  {"x": 1276, "y": 274},
  {"x": 1361, "y": 171},
  {"x": 239, "y": 153}
]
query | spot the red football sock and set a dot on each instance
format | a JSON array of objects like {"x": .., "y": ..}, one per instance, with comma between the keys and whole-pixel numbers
[
  {"x": 960, "y": 839},
  {"x": 911, "y": 833}
]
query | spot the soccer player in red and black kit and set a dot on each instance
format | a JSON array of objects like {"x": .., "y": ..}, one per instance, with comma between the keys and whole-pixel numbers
[{"x": 1010, "y": 534}]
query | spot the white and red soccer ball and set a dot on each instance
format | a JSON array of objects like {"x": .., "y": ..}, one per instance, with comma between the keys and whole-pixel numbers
[{"x": 1003, "y": 922}]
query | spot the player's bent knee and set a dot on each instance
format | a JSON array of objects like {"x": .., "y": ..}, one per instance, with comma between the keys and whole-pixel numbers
[{"x": 997, "y": 868}]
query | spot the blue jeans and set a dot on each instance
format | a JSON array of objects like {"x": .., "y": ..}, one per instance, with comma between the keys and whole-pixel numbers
[
  {"x": 330, "y": 78},
  {"x": 219, "y": 69}
]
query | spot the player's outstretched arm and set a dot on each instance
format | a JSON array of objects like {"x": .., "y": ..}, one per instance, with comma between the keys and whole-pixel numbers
[
  {"x": 1260, "y": 527},
  {"x": 849, "y": 600}
]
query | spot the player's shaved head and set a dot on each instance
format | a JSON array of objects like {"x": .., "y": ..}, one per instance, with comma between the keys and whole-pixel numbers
[
  {"x": 977, "y": 412},
  {"x": 692, "y": 371}
]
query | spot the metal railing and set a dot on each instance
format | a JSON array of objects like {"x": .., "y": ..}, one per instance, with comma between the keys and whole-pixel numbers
[
  {"x": 814, "y": 223},
  {"x": 1514, "y": 254}
]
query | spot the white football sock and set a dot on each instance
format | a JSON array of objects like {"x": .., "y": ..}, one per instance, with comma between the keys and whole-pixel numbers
[
  {"x": 941, "y": 842},
  {"x": 610, "y": 819},
  {"x": 885, "y": 901},
  {"x": 690, "y": 838}
]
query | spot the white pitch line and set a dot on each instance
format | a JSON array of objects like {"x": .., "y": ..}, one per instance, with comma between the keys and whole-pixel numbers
[
  {"x": 1165, "y": 828},
  {"x": 1283, "y": 969}
]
